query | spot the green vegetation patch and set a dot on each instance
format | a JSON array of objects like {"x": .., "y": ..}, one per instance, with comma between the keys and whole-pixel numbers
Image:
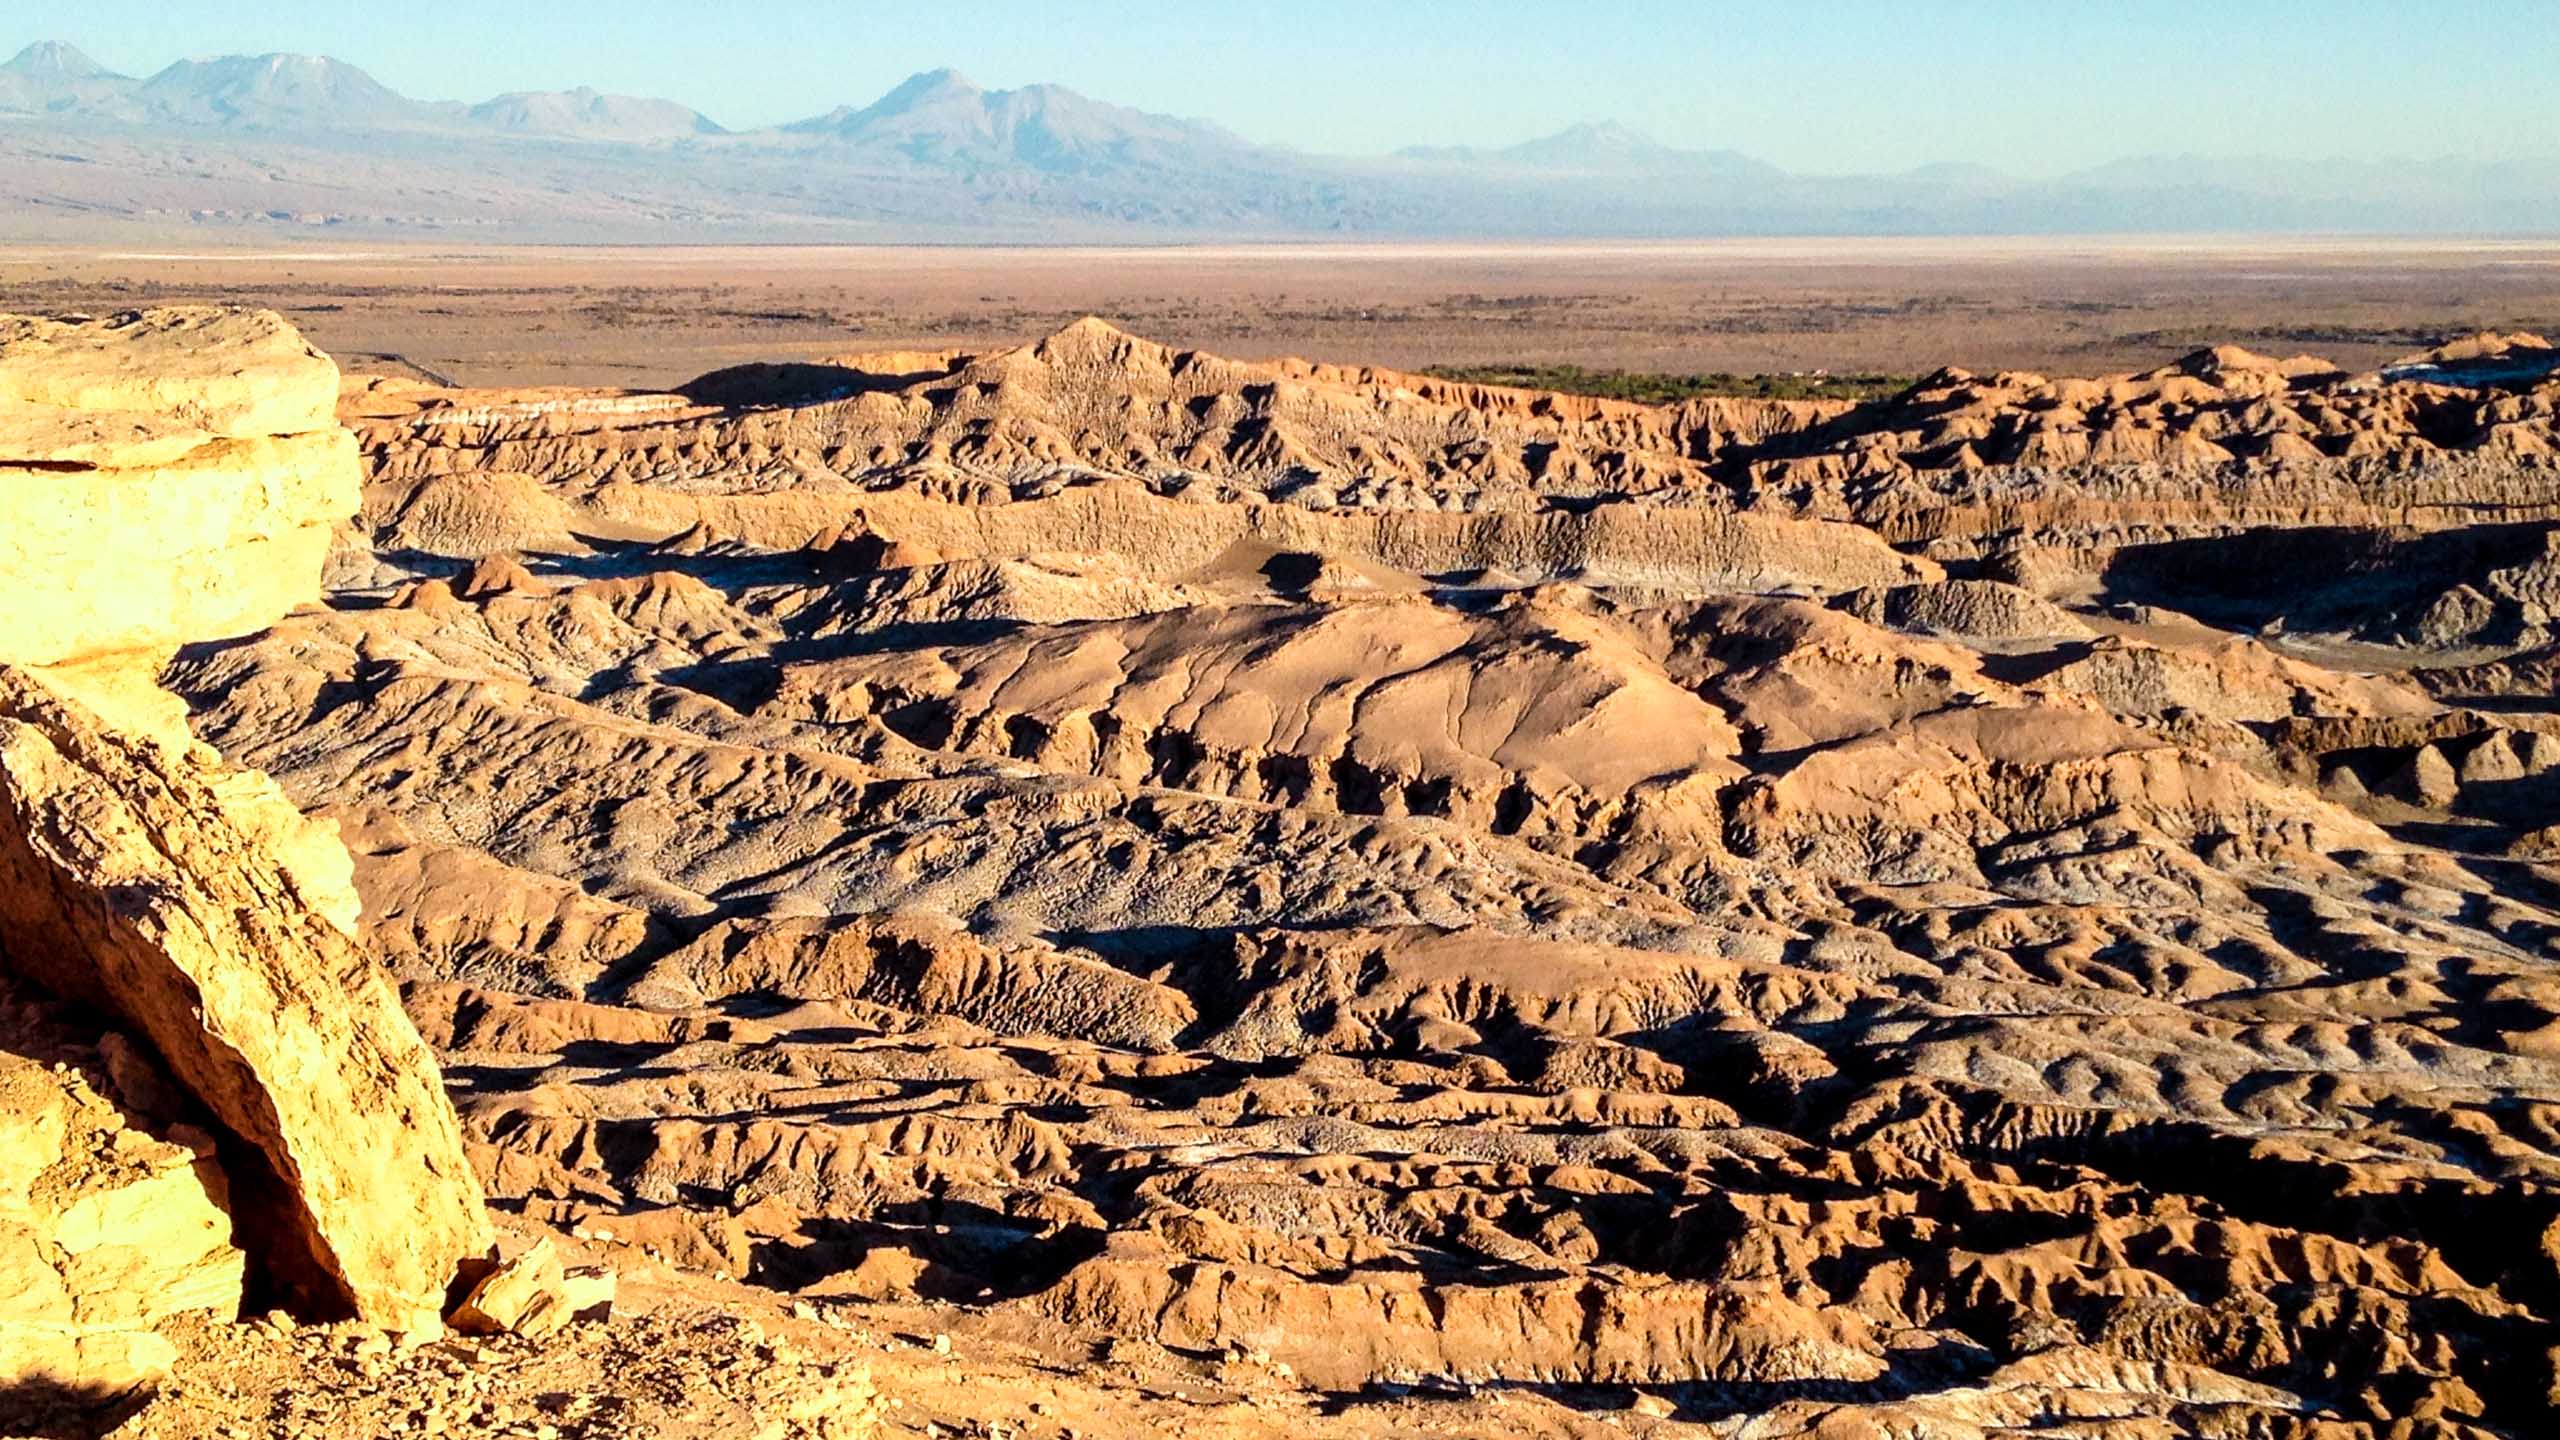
[{"x": 1649, "y": 389}]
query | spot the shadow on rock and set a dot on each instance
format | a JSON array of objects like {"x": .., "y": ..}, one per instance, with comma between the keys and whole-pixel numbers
[{"x": 39, "y": 1409}]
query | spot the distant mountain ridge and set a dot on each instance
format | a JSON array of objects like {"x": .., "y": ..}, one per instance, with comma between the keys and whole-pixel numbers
[
  {"x": 585, "y": 114},
  {"x": 49, "y": 75},
  {"x": 941, "y": 116},
  {"x": 1594, "y": 147},
  {"x": 53, "y": 58},
  {"x": 284, "y": 92},
  {"x": 303, "y": 140},
  {"x": 279, "y": 91}
]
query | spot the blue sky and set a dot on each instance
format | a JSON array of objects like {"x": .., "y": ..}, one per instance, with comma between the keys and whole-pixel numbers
[{"x": 1829, "y": 85}]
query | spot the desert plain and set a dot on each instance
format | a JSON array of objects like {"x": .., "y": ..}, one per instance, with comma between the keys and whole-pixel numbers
[{"x": 657, "y": 316}]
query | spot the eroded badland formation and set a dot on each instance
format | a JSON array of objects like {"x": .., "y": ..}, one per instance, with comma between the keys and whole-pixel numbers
[{"x": 1094, "y": 890}]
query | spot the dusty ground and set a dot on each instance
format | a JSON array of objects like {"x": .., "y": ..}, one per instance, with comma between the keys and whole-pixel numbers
[
  {"x": 657, "y": 317},
  {"x": 689, "y": 1356}
]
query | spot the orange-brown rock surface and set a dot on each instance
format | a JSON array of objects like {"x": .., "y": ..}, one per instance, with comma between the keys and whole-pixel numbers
[{"x": 2022, "y": 907}]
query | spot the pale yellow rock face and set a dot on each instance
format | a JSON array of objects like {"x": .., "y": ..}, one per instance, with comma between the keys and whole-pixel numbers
[
  {"x": 220, "y": 541},
  {"x": 111, "y": 1221},
  {"x": 151, "y": 376},
  {"x": 127, "y": 885},
  {"x": 166, "y": 477}
]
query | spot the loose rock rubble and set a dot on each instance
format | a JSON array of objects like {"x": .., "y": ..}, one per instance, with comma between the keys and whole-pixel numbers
[{"x": 683, "y": 1369}]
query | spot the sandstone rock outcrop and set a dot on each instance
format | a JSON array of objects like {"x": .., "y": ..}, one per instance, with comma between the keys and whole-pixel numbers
[
  {"x": 174, "y": 476},
  {"x": 126, "y": 886},
  {"x": 170, "y": 476}
]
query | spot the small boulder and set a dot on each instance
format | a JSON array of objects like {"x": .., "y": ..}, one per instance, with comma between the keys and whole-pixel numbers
[{"x": 533, "y": 1295}]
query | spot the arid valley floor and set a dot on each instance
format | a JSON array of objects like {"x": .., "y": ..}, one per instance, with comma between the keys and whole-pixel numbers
[
  {"x": 1126, "y": 890},
  {"x": 658, "y": 317}
]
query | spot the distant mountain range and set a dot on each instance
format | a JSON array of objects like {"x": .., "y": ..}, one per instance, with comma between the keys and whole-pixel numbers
[
  {"x": 289, "y": 94},
  {"x": 1602, "y": 148},
  {"x": 257, "y": 144}
]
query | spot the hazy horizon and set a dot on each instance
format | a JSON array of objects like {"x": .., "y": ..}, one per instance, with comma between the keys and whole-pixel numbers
[{"x": 1857, "y": 88}]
